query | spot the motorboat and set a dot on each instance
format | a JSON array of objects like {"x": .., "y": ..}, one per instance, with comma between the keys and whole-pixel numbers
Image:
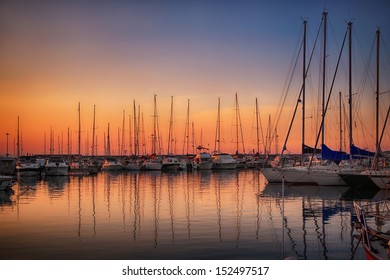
[
  {"x": 28, "y": 166},
  {"x": 56, "y": 166},
  {"x": 170, "y": 163},
  {"x": 153, "y": 163},
  {"x": 223, "y": 161},
  {"x": 112, "y": 164},
  {"x": 203, "y": 161}
]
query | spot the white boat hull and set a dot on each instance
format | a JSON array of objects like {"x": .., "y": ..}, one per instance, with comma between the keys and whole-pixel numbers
[
  {"x": 56, "y": 170},
  {"x": 272, "y": 175},
  {"x": 327, "y": 178},
  {"x": 224, "y": 166},
  {"x": 205, "y": 165},
  {"x": 152, "y": 166},
  {"x": 133, "y": 166},
  {"x": 28, "y": 171},
  {"x": 298, "y": 176}
]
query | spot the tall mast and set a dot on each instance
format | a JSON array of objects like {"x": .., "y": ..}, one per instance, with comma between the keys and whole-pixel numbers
[
  {"x": 119, "y": 152},
  {"x": 130, "y": 137},
  {"x": 350, "y": 86},
  {"x": 377, "y": 98},
  {"x": 135, "y": 127},
  {"x": 187, "y": 130},
  {"x": 155, "y": 131},
  {"x": 238, "y": 126},
  {"x": 269, "y": 135},
  {"x": 142, "y": 130},
  {"x": 108, "y": 141},
  {"x": 323, "y": 79},
  {"x": 236, "y": 109},
  {"x": 304, "y": 86},
  {"x": 170, "y": 128},
  {"x": 123, "y": 134},
  {"x": 341, "y": 124},
  {"x": 257, "y": 127},
  {"x": 93, "y": 131},
  {"x": 217, "y": 142},
  {"x": 193, "y": 138},
  {"x": 79, "y": 133},
  {"x": 18, "y": 141}
]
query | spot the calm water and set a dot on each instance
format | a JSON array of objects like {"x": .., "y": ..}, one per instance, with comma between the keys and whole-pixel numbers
[{"x": 195, "y": 215}]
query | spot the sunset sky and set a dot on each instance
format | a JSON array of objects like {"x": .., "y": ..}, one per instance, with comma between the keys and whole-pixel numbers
[{"x": 55, "y": 54}]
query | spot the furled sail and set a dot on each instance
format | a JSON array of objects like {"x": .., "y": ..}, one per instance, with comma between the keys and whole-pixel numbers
[
  {"x": 360, "y": 153},
  {"x": 309, "y": 150},
  {"x": 337, "y": 156}
]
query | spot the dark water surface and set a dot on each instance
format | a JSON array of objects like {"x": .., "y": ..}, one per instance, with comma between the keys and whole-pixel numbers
[{"x": 194, "y": 215}]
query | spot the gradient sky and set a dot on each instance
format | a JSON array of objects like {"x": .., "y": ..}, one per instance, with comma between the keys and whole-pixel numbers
[{"x": 54, "y": 54}]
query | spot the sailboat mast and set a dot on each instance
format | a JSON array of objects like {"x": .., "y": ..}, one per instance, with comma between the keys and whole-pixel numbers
[
  {"x": 93, "y": 131},
  {"x": 18, "y": 140},
  {"x": 377, "y": 99},
  {"x": 79, "y": 133},
  {"x": 170, "y": 128},
  {"x": 136, "y": 147},
  {"x": 108, "y": 141},
  {"x": 377, "y": 91},
  {"x": 123, "y": 134},
  {"x": 193, "y": 138},
  {"x": 341, "y": 124},
  {"x": 217, "y": 143},
  {"x": 187, "y": 129},
  {"x": 130, "y": 137},
  {"x": 323, "y": 79},
  {"x": 154, "y": 136},
  {"x": 236, "y": 101},
  {"x": 350, "y": 86},
  {"x": 304, "y": 86},
  {"x": 257, "y": 128},
  {"x": 240, "y": 124}
]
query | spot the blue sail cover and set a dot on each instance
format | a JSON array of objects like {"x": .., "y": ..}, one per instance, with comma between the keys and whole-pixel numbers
[
  {"x": 360, "y": 153},
  {"x": 329, "y": 154},
  {"x": 309, "y": 150}
]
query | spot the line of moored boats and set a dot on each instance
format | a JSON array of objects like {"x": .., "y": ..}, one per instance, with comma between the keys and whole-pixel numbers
[
  {"x": 357, "y": 173},
  {"x": 59, "y": 165}
]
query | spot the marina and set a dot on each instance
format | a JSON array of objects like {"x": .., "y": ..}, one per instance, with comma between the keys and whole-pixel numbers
[
  {"x": 144, "y": 132},
  {"x": 205, "y": 214}
]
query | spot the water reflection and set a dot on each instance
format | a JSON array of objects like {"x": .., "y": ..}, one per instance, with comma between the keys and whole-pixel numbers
[{"x": 178, "y": 215}]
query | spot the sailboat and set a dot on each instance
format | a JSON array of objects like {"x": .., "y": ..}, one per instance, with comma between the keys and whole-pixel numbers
[
  {"x": 155, "y": 160},
  {"x": 110, "y": 163},
  {"x": 221, "y": 160},
  {"x": 241, "y": 158},
  {"x": 284, "y": 168},
  {"x": 170, "y": 162},
  {"x": 372, "y": 178},
  {"x": 132, "y": 163}
]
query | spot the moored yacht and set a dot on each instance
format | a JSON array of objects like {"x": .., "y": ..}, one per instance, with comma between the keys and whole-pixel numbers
[
  {"x": 56, "y": 166},
  {"x": 154, "y": 164},
  {"x": 131, "y": 164},
  {"x": 112, "y": 164},
  {"x": 203, "y": 161},
  {"x": 170, "y": 163},
  {"x": 223, "y": 161},
  {"x": 28, "y": 166}
]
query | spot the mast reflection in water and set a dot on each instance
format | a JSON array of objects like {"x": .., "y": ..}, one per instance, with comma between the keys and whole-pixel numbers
[{"x": 180, "y": 215}]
